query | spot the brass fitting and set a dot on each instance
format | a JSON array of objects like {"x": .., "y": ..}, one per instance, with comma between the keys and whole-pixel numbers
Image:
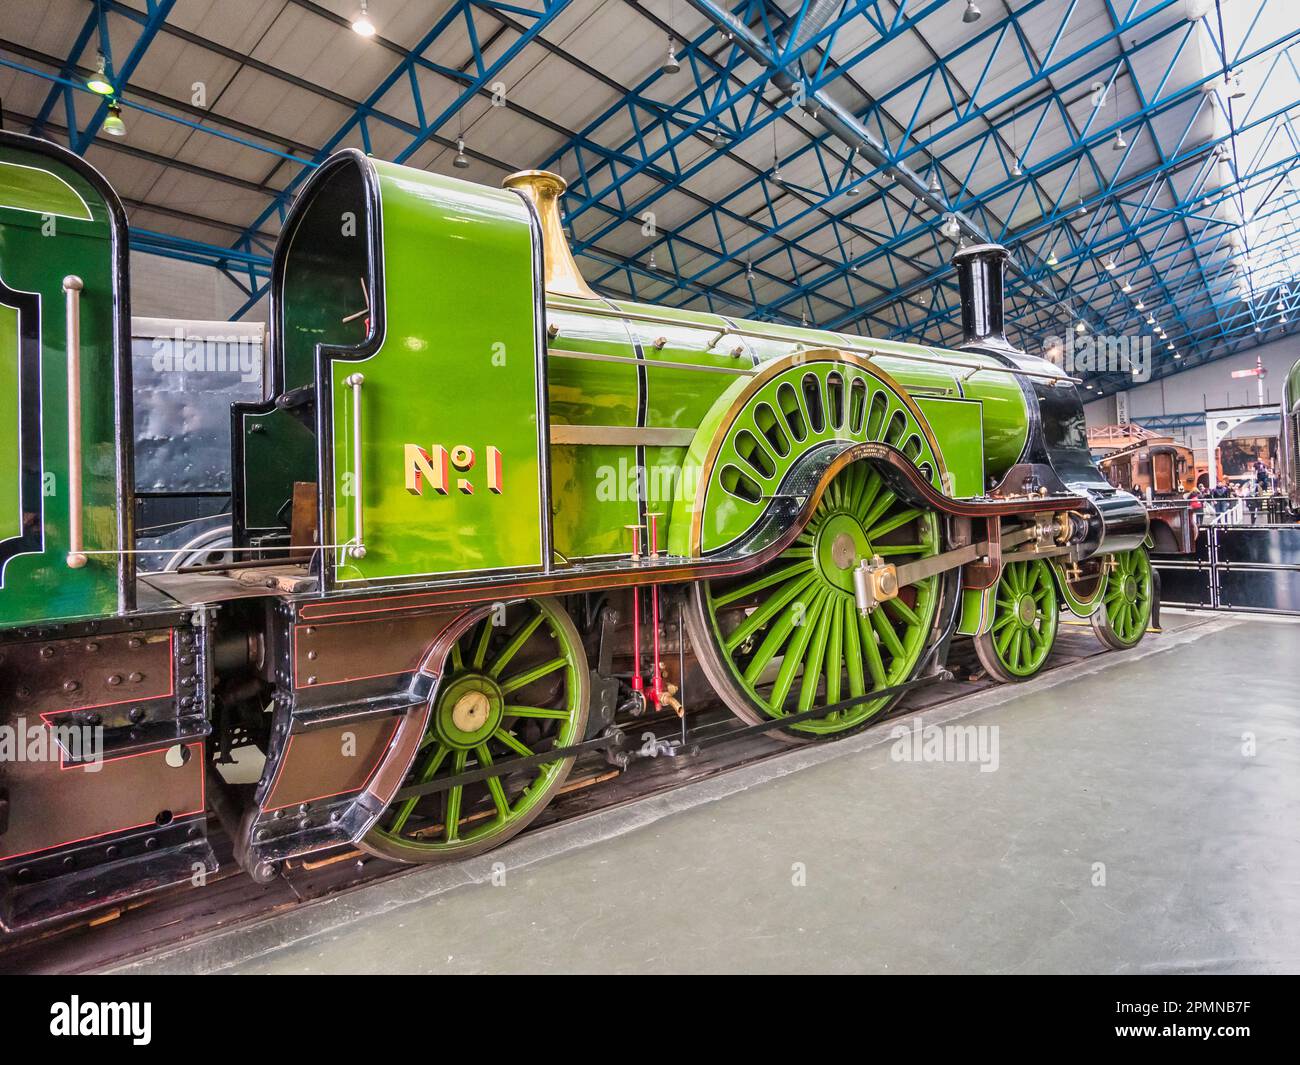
[{"x": 874, "y": 582}]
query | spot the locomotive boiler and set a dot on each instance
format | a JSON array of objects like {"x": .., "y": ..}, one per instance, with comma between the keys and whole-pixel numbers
[{"x": 477, "y": 507}]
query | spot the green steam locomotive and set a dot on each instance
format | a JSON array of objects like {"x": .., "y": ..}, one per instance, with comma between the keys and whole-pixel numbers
[{"x": 484, "y": 517}]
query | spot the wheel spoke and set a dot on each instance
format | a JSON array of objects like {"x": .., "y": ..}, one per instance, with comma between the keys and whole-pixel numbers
[
  {"x": 536, "y": 711},
  {"x": 528, "y": 676},
  {"x": 767, "y": 611},
  {"x": 815, "y": 658},
  {"x": 503, "y": 736},
  {"x": 885, "y": 550},
  {"x": 853, "y": 651},
  {"x": 867, "y": 493},
  {"x": 775, "y": 639},
  {"x": 903, "y": 611},
  {"x": 883, "y": 503},
  {"x": 451, "y": 826},
  {"x": 480, "y": 649},
  {"x": 872, "y": 652},
  {"x": 835, "y": 652},
  {"x": 766, "y": 581},
  {"x": 515, "y": 643},
  {"x": 794, "y": 655},
  {"x": 888, "y": 637},
  {"x": 894, "y": 521},
  {"x": 494, "y": 785},
  {"x": 427, "y": 773}
]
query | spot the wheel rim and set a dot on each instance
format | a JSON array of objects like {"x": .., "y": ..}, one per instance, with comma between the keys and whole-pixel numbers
[
  {"x": 509, "y": 690},
  {"x": 1025, "y": 617},
  {"x": 789, "y": 636},
  {"x": 1128, "y": 596}
]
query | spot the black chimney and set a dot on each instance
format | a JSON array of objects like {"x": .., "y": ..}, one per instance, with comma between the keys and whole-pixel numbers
[{"x": 980, "y": 272}]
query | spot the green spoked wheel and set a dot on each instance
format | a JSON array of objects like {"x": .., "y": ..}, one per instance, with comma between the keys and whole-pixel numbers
[
  {"x": 1025, "y": 617},
  {"x": 508, "y": 691},
  {"x": 788, "y": 637},
  {"x": 1125, "y": 612}
]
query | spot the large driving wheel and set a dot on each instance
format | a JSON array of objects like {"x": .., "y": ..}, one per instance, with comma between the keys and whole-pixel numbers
[
  {"x": 509, "y": 691},
  {"x": 1025, "y": 616},
  {"x": 1122, "y": 619},
  {"x": 788, "y": 638}
]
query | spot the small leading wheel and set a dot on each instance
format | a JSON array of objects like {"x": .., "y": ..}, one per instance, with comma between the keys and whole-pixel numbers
[
  {"x": 1025, "y": 616},
  {"x": 508, "y": 691},
  {"x": 788, "y": 637},
  {"x": 1122, "y": 619}
]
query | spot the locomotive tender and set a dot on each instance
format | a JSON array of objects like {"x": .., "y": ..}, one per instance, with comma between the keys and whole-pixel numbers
[{"x": 479, "y": 508}]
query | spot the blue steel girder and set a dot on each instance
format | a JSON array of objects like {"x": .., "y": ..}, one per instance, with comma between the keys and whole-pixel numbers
[
  {"x": 1149, "y": 219},
  {"x": 942, "y": 313},
  {"x": 1069, "y": 157},
  {"x": 79, "y": 139},
  {"x": 461, "y": 13},
  {"x": 838, "y": 185},
  {"x": 1051, "y": 226}
]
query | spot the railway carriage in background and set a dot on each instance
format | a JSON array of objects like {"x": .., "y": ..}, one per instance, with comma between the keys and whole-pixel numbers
[{"x": 485, "y": 517}]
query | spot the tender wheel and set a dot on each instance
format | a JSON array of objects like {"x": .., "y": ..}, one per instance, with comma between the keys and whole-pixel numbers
[
  {"x": 1122, "y": 619},
  {"x": 1025, "y": 616},
  {"x": 509, "y": 691},
  {"x": 788, "y": 638}
]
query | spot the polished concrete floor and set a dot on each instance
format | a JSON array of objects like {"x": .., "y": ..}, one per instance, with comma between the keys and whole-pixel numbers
[{"x": 1140, "y": 813}]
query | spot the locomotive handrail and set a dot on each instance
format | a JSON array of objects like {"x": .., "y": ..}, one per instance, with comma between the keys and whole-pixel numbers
[
  {"x": 358, "y": 549},
  {"x": 72, "y": 286},
  {"x": 857, "y": 349}
]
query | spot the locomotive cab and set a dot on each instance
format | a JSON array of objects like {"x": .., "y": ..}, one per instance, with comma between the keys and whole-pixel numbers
[
  {"x": 405, "y": 421},
  {"x": 65, "y": 396}
]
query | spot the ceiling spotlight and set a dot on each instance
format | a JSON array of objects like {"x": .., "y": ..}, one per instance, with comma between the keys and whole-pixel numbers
[
  {"x": 935, "y": 187},
  {"x": 1140, "y": 305},
  {"x": 462, "y": 160},
  {"x": 671, "y": 66},
  {"x": 98, "y": 81},
  {"x": 749, "y": 270},
  {"x": 1235, "y": 89},
  {"x": 1126, "y": 287},
  {"x": 776, "y": 172},
  {"x": 1170, "y": 345},
  {"x": 719, "y": 140},
  {"x": 1017, "y": 170},
  {"x": 1119, "y": 143},
  {"x": 1051, "y": 259},
  {"x": 1083, "y": 209},
  {"x": 853, "y": 268},
  {"x": 1079, "y": 327},
  {"x": 1151, "y": 319},
  {"x": 852, "y": 191},
  {"x": 651, "y": 263},
  {"x": 1110, "y": 262},
  {"x": 951, "y": 228},
  {"x": 361, "y": 25},
  {"x": 972, "y": 13},
  {"x": 1177, "y": 355},
  {"x": 113, "y": 124}
]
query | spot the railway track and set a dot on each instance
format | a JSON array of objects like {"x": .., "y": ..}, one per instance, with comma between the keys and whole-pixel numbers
[{"x": 175, "y": 916}]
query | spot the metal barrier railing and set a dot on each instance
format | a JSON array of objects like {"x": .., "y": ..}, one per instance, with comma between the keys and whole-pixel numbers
[{"x": 1253, "y": 567}]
